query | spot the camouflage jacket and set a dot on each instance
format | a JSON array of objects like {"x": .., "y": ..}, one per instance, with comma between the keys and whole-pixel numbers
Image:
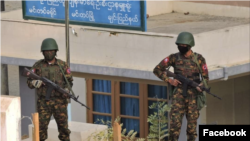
[
  {"x": 53, "y": 73},
  {"x": 184, "y": 66}
]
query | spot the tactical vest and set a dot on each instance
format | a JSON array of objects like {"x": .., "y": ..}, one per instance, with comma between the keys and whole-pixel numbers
[
  {"x": 53, "y": 73},
  {"x": 187, "y": 67}
]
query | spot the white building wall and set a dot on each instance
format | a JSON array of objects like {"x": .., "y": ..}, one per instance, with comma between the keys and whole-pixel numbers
[
  {"x": 134, "y": 50},
  {"x": 28, "y": 101},
  {"x": 224, "y": 46},
  {"x": 78, "y": 112},
  {"x": 211, "y": 9},
  {"x": 234, "y": 106}
]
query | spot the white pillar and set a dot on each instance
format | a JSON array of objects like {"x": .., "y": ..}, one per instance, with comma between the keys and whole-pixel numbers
[{"x": 10, "y": 118}]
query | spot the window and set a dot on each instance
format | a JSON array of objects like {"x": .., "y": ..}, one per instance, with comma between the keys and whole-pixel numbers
[{"x": 128, "y": 100}]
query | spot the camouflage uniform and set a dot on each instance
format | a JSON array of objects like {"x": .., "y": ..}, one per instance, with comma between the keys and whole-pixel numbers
[
  {"x": 180, "y": 105},
  {"x": 57, "y": 105}
]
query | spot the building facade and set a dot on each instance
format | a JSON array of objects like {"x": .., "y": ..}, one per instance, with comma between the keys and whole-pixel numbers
[{"x": 113, "y": 72}]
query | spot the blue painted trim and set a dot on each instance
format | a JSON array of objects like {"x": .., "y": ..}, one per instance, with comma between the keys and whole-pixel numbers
[{"x": 124, "y": 72}]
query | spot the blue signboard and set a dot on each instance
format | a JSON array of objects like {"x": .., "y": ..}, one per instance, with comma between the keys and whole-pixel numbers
[{"x": 121, "y": 14}]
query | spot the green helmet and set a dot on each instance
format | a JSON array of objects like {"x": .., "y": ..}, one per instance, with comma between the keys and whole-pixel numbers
[
  {"x": 185, "y": 38},
  {"x": 49, "y": 44}
]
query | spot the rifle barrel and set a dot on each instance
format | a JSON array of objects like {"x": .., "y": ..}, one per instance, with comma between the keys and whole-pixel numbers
[
  {"x": 32, "y": 75},
  {"x": 189, "y": 82}
]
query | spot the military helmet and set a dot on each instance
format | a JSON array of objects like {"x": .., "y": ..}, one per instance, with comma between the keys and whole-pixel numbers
[
  {"x": 185, "y": 38},
  {"x": 49, "y": 44}
]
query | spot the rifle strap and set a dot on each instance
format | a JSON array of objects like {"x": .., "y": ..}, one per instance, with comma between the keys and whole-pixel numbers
[
  {"x": 66, "y": 80},
  {"x": 195, "y": 59}
]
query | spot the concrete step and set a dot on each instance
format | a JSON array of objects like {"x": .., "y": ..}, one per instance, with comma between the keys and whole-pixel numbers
[{"x": 79, "y": 131}]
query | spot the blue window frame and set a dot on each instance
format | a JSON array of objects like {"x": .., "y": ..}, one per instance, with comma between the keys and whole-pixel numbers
[
  {"x": 109, "y": 99},
  {"x": 130, "y": 106},
  {"x": 101, "y": 99}
]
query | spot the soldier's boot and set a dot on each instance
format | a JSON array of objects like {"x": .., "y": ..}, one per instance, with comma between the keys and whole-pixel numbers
[
  {"x": 64, "y": 135},
  {"x": 191, "y": 137},
  {"x": 173, "y": 137}
]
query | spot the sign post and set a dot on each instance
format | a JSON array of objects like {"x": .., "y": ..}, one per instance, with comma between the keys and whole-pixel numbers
[
  {"x": 67, "y": 48},
  {"x": 67, "y": 31},
  {"x": 2, "y": 5}
]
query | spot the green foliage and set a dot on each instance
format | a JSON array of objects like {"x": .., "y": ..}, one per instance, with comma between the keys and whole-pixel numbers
[
  {"x": 107, "y": 134},
  {"x": 157, "y": 131},
  {"x": 159, "y": 121}
]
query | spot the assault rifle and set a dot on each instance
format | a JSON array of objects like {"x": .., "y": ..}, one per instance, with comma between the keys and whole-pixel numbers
[
  {"x": 187, "y": 82},
  {"x": 50, "y": 85}
]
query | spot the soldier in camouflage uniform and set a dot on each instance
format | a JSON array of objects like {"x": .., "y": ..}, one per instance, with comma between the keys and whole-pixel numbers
[
  {"x": 184, "y": 64},
  {"x": 49, "y": 67}
]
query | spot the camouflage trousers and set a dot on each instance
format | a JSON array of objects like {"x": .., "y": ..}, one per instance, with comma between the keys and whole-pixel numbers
[
  {"x": 57, "y": 107},
  {"x": 181, "y": 106}
]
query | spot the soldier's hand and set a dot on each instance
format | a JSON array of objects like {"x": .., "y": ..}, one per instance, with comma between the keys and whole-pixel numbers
[
  {"x": 66, "y": 95},
  {"x": 37, "y": 83},
  {"x": 198, "y": 88},
  {"x": 174, "y": 82}
]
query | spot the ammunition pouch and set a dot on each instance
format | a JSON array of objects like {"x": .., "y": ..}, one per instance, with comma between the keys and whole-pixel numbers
[{"x": 201, "y": 100}]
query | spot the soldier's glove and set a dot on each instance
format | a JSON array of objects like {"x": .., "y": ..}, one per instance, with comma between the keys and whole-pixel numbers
[
  {"x": 37, "y": 83},
  {"x": 66, "y": 95},
  {"x": 198, "y": 88}
]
